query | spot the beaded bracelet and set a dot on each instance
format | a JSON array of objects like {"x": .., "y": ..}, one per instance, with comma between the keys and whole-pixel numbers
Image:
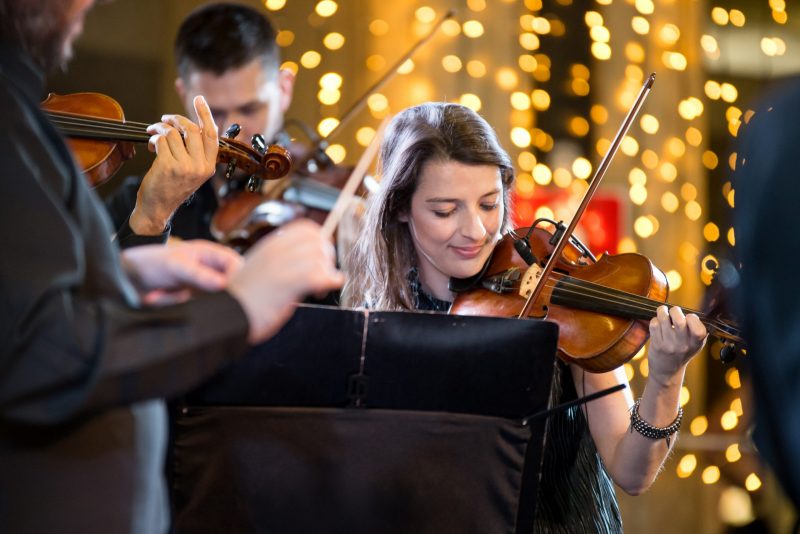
[{"x": 653, "y": 432}]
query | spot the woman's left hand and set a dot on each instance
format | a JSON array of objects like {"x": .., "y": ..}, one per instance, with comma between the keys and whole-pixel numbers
[{"x": 674, "y": 339}]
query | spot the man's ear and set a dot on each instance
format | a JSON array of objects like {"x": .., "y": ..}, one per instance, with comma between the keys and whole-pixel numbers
[{"x": 286, "y": 79}]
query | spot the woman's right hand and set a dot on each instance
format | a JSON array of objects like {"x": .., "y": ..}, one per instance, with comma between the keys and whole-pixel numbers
[{"x": 280, "y": 270}]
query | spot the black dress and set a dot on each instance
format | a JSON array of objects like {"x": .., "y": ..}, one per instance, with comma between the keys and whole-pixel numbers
[{"x": 576, "y": 494}]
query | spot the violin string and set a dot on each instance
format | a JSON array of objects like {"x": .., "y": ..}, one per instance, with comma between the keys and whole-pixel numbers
[
  {"x": 634, "y": 303},
  {"x": 78, "y": 125},
  {"x": 88, "y": 119}
]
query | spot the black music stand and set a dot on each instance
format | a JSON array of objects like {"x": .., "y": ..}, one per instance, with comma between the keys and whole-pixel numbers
[{"x": 355, "y": 421}]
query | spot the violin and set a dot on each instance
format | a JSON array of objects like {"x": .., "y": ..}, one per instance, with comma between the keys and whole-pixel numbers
[
  {"x": 602, "y": 307},
  {"x": 102, "y": 140}
]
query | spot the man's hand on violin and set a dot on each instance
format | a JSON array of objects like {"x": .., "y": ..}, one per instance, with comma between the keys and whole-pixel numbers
[
  {"x": 172, "y": 273},
  {"x": 674, "y": 339},
  {"x": 186, "y": 155},
  {"x": 288, "y": 264}
]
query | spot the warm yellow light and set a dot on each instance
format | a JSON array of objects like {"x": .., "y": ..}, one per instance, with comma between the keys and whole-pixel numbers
[
  {"x": 629, "y": 371},
  {"x": 732, "y": 378},
  {"x": 640, "y": 25},
  {"x": 709, "y": 44},
  {"x": 581, "y": 168},
  {"x": 710, "y": 160},
  {"x": 752, "y": 482},
  {"x": 541, "y": 25},
  {"x": 364, "y": 135},
  {"x": 336, "y": 152},
  {"x": 579, "y": 86},
  {"x": 471, "y": 101},
  {"x": 506, "y": 78},
  {"x": 634, "y": 52},
  {"x": 378, "y": 27},
  {"x": 712, "y": 90},
  {"x": 693, "y": 210},
  {"x": 668, "y": 171},
  {"x": 533, "y": 5},
  {"x": 329, "y": 96},
  {"x": 562, "y": 177},
  {"x": 529, "y": 41},
  {"x": 629, "y": 146},
  {"x": 451, "y": 63},
  {"x": 694, "y": 136},
  {"x": 643, "y": 227},
  {"x": 732, "y": 161},
  {"x": 524, "y": 185},
  {"x": 674, "y": 60},
  {"x": 729, "y": 93},
  {"x": 521, "y": 137},
  {"x": 732, "y": 453},
  {"x": 645, "y": 7},
  {"x": 578, "y": 126},
  {"x": 599, "y": 114},
  {"x": 687, "y": 252},
  {"x": 476, "y": 69},
  {"x": 685, "y": 396},
  {"x": 376, "y": 63},
  {"x": 544, "y": 212},
  {"x": 593, "y": 18},
  {"x": 451, "y": 28},
  {"x": 669, "y": 201},
  {"x": 675, "y": 280},
  {"x": 780, "y": 17},
  {"x": 526, "y": 22},
  {"x": 649, "y": 123},
  {"x": 675, "y": 147},
  {"x": 687, "y": 465},
  {"x": 284, "y": 38},
  {"x": 710, "y": 474},
  {"x": 637, "y": 176},
  {"x": 768, "y": 46},
  {"x": 476, "y": 5},
  {"x": 650, "y": 159},
  {"x": 310, "y": 59},
  {"x": 326, "y": 125},
  {"x": 601, "y": 51},
  {"x": 425, "y": 14},
  {"x": 377, "y": 102},
  {"x": 472, "y": 29},
  {"x": 542, "y": 174},
  {"x": 520, "y": 101},
  {"x": 406, "y": 67},
  {"x": 540, "y": 99},
  {"x": 669, "y": 34},
  {"x": 729, "y": 420},
  {"x": 688, "y": 192},
  {"x": 736, "y": 406},
  {"x": 527, "y": 63},
  {"x": 711, "y": 232},
  {"x": 333, "y": 41},
  {"x": 638, "y": 194},
  {"x": 274, "y": 5},
  {"x": 330, "y": 81},
  {"x": 326, "y": 8},
  {"x": 719, "y": 16},
  {"x": 737, "y": 18},
  {"x": 526, "y": 161},
  {"x": 290, "y": 66},
  {"x": 602, "y": 146},
  {"x": 781, "y": 46},
  {"x": 626, "y": 244},
  {"x": 731, "y": 234},
  {"x": 600, "y": 34}
]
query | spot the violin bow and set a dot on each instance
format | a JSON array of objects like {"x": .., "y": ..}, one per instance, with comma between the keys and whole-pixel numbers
[
  {"x": 350, "y": 187},
  {"x": 595, "y": 183}
]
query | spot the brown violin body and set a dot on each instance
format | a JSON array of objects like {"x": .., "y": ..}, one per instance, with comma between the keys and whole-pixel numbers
[
  {"x": 596, "y": 330},
  {"x": 101, "y": 139},
  {"x": 99, "y": 158}
]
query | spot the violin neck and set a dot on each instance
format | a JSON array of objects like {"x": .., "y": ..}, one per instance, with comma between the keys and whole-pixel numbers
[{"x": 95, "y": 128}]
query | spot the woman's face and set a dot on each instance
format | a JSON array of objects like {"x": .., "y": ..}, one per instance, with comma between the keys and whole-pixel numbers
[{"x": 455, "y": 219}]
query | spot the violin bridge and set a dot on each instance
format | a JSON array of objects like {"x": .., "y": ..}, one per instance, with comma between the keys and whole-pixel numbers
[{"x": 529, "y": 280}]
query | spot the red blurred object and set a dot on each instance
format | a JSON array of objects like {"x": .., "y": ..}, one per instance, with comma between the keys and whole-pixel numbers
[{"x": 600, "y": 228}]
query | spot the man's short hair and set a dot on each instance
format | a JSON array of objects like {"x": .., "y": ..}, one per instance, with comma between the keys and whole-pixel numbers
[{"x": 223, "y": 36}]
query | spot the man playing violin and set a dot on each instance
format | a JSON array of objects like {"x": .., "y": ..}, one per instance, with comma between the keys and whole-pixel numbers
[
  {"x": 441, "y": 208},
  {"x": 88, "y": 345},
  {"x": 227, "y": 53}
]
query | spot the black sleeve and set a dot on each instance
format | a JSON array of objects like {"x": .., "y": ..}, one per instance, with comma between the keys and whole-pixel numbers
[{"x": 73, "y": 338}]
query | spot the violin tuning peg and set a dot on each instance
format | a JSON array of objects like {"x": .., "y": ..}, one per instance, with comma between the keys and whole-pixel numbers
[
  {"x": 229, "y": 169},
  {"x": 259, "y": 145},
  {"x": 232, "y": 131},
  {"x": 253, "y": 184},
  {"x": 727, "y": 353}
]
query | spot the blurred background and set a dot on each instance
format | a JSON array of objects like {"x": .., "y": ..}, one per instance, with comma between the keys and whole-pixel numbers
[{"x": 555, "y": 78}]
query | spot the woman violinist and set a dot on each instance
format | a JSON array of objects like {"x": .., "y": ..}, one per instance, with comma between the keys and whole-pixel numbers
[{"x": 442, "y": 205}]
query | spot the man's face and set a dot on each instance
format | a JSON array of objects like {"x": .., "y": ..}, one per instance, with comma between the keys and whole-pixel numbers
[
  {"x": 72, "y": 26},
  {"x": 247, "y": 96}
]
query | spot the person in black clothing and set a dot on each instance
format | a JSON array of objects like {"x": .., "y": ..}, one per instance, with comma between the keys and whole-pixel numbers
[
  {"x": 441, "y": 208},
  {"x": 83, "y": 359},
  {"x": 767, "y": 188},
  {"x": 227, "y": 53}
]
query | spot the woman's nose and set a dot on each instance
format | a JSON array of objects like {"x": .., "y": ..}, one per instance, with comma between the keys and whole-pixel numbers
[{"x": 473, "y": 227}]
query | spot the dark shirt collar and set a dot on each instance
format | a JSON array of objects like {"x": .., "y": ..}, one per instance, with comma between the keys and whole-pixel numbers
[{"x": 21, "y": 71}]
